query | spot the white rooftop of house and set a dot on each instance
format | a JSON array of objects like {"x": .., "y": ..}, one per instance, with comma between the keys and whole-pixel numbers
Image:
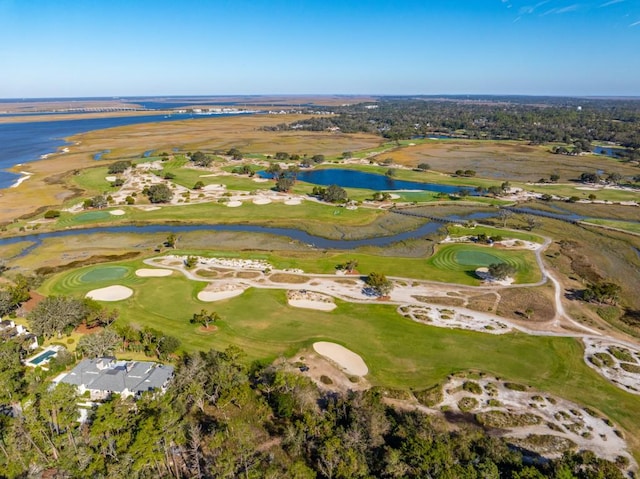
[{"x": 109, "y": 374}]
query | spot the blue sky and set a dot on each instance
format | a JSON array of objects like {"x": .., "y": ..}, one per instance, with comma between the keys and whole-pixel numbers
[{"x": 67, "y": 48}]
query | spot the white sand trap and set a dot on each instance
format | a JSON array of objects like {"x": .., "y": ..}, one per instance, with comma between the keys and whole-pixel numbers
[
  {"x": 308, "y": 304},
  {"x": 293, "y": 202},
  {"x": 214, "y": 187},
  {"x": 110, "y": 293},
  {"x": 116, "y": 212},
  {"x": 110, "y": 178},
  {"x": 260, "y": 180},
  {"x": 153, "y": 273},
  {"x": 347, "y": 360},
  {"x": 208, "y": 296},
  {"x": 234, "y": 204},
  {"x": 261, "y": 201},
  {"x": 393, "y": 196},
  {"x": 151, "y": 208}
]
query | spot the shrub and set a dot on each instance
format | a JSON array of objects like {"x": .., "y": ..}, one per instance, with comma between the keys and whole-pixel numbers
[
  {"x": 472, "y": 387},
  {"x": 515, "y": 386},
  {"x": 429, "y": 397},
  {"x": 466, "y": 404},
  {"x": 50, "y": 214}
]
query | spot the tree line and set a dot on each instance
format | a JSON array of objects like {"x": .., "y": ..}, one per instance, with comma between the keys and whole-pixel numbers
[
  {"x": 221, "y": 418},
  {"x": 573, "y": 122}
]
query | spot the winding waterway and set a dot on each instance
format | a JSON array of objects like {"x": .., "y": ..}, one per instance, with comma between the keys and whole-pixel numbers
[{"x": 294, "y": 234}]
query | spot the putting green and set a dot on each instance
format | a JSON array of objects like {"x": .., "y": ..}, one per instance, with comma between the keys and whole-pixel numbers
[
  {"x": 476, "y": 258},
  {"x": 91, "y": 216},
  {"x": 468, "y": 257},
  {"x": 106, "y": 273}
]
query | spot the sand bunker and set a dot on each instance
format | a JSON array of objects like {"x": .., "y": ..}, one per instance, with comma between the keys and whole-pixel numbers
[
  {"x": 234, "y": 204},
  {"x": 261, "y": 201},
  {"x": 214, "y": 188},
  {"x": 293, "y": 201},
  {"x": 151, "y": 208},
  {"x": 260, "y": 180},
  {"x": 110, "y": 178},
  {"x": 152, "y": 273},
  {"x": 208, "y": 296},
  {"x": 110, "y": 293},
  {"x": 218, "y": 291},
  {"x": 116, "y": 212},
  {"x": 310, "y": 300},
  {"x": 309, "y": 304},
  {"x": 347, "y": 360}
]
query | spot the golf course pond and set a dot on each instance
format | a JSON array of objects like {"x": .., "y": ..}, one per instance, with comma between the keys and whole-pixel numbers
[{"x": 370, "y": 181}]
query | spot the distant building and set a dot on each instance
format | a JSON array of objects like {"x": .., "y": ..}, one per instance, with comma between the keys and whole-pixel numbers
[
  {"x": 103, "y": 377},
  {"x": 10, "y": 330}
]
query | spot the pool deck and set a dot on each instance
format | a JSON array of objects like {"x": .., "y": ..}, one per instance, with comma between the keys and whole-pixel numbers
[{"x": 29, "y": 362}]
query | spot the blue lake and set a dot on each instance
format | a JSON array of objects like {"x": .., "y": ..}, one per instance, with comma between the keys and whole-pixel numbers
[
  {"x": 28, "y": 141},
  {"x": 608, "y": 151},
  {"x": 370, "y": 181}
]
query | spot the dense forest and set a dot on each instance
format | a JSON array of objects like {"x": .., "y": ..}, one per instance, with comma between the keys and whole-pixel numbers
[
  {"x": 537, "y": 120},
  {"x": 222, "y": 419}
]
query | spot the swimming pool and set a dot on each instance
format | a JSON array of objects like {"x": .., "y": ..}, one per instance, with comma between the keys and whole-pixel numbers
[{"x": 46, "y": 356}]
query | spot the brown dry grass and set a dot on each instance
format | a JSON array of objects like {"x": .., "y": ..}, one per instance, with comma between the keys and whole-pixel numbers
[
  {"x": 47, "y": 187},
  {"x": 483, "y": 302},
  {"x": 515, "y": 301},
  {"x": 288, "y": 278},
  {"x": 441, "y": 300},
  {"x": 503, "y": 160}
]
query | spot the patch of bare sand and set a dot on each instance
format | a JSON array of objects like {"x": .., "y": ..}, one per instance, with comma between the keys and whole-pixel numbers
[
  {"x": 348, "y": 360},
  {"x": 261, "y": 201},
  {"x": 153, "y": 273},
  {"x": 219, "y": 291},
  {"x": 234, "y": 204},
  {"x": 110, "y": 293},
  {"x": 110, "y": 178},
  {"x": 310, "y": 300},
  {"x": 117, "y": 212}
]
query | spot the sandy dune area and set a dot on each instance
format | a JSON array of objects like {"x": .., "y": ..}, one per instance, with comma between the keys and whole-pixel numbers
[{"x": 347, "y": 360}]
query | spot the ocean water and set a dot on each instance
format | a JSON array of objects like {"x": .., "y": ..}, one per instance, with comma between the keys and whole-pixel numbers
[{"x": 29, "y": 141}]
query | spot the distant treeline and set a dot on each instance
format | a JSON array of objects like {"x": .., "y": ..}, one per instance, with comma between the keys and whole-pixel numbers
[{"x": 536, "y": 120}]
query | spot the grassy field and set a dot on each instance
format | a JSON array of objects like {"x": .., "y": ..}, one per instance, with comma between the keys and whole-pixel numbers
[
  {"x": 504, "y": 160},
  {"x": 399, "y": 352},
  {"x": 630, "y": 226}
]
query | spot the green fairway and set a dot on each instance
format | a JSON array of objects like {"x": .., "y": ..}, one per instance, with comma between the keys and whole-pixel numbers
[
  {"x": 400, "y": 353},
  {"x": 475, "y": 258}
]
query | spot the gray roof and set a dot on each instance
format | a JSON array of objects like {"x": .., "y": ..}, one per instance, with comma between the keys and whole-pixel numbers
[{"x": 108, "y": 374}]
